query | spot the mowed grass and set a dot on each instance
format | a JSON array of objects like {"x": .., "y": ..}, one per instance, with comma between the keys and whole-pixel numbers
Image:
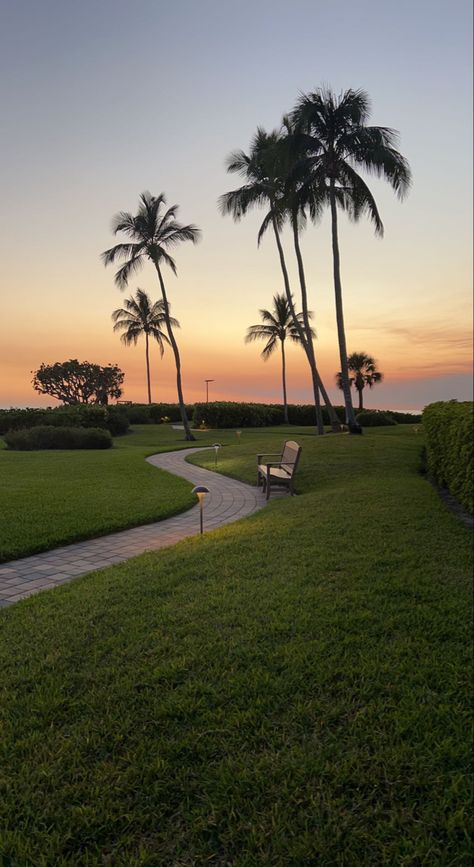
[
  {"x": 49, "y": 498},
  {"x": 291, "y": 689}
]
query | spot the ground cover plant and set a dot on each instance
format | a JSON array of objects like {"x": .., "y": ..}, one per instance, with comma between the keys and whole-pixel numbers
[
  {"x": 51, "y": 498},
  {"x": 291, "y": 689}
]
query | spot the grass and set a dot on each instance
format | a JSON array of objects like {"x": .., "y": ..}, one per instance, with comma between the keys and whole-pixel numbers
[
  {"x": 291, "y": 689},
  {"x": 50, "y": 498}
]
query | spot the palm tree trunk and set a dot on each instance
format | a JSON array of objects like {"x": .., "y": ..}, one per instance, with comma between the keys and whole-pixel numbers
[
  {"x": 147, "y": 356},
  {"x": 283, "y": 376},
  {"x": 346, "y": 386},
  {"x": 286, "y": 282},
  {"x": 334, "y": 421},
  {"x": 361, "y": 401},
  {"x": 187, "y": 430}
]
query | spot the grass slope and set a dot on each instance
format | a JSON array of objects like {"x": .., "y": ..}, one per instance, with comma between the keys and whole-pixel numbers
[{"x": 291, "y": 689}]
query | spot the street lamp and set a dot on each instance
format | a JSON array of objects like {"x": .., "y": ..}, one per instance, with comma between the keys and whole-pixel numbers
[
  {"x": 207, "y": 381},
  {"x": 216, "y": 448},
  {"x": 200, "y": 491}
]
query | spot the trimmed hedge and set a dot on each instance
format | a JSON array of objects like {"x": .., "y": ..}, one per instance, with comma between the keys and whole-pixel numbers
[
  {"x": 112, "y": 418},
  {"x": 448, "y": 427},
  {"x": 50, "y": 437},
  {"x": 374, "y": 418}
]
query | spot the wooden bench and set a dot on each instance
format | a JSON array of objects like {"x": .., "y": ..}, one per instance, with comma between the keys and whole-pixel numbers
[{"x": 279, "y": 472}]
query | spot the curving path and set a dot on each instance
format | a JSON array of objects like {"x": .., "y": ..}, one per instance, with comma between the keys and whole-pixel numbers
[{"x": 227, "y": 501}]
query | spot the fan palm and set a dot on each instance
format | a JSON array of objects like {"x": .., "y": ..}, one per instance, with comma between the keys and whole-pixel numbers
[
  {"x": 335, "y": 141},
  {"x": 364, "y": 368},
  {"x": 264, "y": 172},
  {"x": 138, "y": 317},
  {"x": 152, "y": 231},
  {"x": 277, "y": 326}
]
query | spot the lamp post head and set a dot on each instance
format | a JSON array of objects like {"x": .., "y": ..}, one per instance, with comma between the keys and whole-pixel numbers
[{"x": 200, "y": 491}]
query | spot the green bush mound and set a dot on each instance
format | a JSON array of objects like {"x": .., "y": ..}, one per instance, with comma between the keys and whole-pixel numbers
[
  {"x": 154, "y": 413},
  {"x": 374, "y": 418},
  {"x": 50, "y": 437},
  {"x": 449, "y": 447},
  {"x": 225, "y": 414},
  {"x": 112, "y": 418}
]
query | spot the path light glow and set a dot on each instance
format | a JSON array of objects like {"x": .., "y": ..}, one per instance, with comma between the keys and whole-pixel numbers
[
  {"x": 200, "y": 491},
  {"x": 238, "y": 434},
  {"x": 216, "y": 447}
]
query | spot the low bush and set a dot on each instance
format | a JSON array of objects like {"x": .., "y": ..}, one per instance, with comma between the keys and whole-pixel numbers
[
  {"x": 374, "y": 418},
  {"x": 404, "y": 417},
  {"x": 51, "y": 437},
  {"x": 449, "y": 447},
  {"x": 81, "y": 415}
]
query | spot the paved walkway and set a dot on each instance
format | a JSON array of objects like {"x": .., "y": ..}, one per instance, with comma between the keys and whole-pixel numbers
[{"x": 227, "y": 501}]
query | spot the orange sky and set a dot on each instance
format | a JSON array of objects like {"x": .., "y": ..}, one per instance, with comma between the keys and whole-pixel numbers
[{"x": 80, "y": 141}]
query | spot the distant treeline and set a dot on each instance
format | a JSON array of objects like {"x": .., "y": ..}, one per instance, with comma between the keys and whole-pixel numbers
[{"x": 218, "y": 414}]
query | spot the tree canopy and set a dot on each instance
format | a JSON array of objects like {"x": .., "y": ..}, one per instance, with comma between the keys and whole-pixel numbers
[{"x": 76, "y": 381}]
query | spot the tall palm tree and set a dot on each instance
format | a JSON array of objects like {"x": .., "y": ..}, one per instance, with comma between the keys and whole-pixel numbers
[
  {"x": 277, "y": 326},
  {"x": 265, "y": 185},
  {"x": 138, "y": 317},
  {"x": 364, "y": 368},
  {"x": 336, "y": 141},
  {"x": 152, "y": 232}
]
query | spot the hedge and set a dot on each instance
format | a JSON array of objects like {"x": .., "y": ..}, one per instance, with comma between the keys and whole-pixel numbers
[
  {"x": 449, "y": 447},
  {"x": 51, "y": 437},
  {"x": 112, "y": 418},
  {"x": 374, "y": 418}
]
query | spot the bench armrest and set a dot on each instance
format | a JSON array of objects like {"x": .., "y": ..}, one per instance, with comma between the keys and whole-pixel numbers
[
  {"x": 268, "y": 455},
  {"x": 279, "y": 463}
]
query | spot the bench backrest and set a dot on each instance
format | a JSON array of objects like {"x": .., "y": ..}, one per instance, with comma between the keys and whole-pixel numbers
[{"x": 290, "y": 457}]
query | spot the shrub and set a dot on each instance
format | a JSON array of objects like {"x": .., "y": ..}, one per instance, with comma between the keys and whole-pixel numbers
[
  {"x": 51, "y": 437},
  {"x": 116, "y": 420},
  {"x": 224, "y": 414},
  {"x": 449, "y": 447},
  {"x": 374, "y": 418},
  {"x": 404, "y": 417},
  {"x": 80, "y": 415}
]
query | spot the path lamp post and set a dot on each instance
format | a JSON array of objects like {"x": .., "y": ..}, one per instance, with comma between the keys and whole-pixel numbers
[
  {"x": 200, "y": 491},
  {"x": 238, "y": 434},
  {"x": 216, "y": 447},
  {"x": 207, "y": 381}
]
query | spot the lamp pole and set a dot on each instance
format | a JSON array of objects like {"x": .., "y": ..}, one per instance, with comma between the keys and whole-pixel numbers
[
  {"x": 207, "y": 381},
  {"x": 201, "y": 491}
]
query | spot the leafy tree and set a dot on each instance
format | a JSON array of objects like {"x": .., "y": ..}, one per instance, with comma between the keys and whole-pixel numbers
[
  {"x": 76, "y": 381},
  {"x": 277, "y": 326},
  {"x": 152, "y": 231},
  {"x": 364, "y": 368},
  {"x": 138, "y": 317},
  {"x": 264, "y": 172},
  {"x": 335, "y": 142}
]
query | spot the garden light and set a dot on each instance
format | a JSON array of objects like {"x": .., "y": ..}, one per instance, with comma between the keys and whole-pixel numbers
[
  {"x": 200, "y": 491},
  {"x": 216, "y": 447},
  {"x": 238, "y": 435}
]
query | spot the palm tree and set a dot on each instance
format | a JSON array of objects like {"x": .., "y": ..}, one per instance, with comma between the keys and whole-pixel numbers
[
  {"x": 138, "y": 317},
  {"x": 263, "y": 170},
  {"x": 277, "y": 326},
  {"x": 336, "y": 141},
  {"x": 152, "y": 232},
  {"x": 364, "y": 368}
]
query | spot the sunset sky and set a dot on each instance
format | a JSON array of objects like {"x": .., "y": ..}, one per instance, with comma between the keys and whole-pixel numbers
[{"x": 103, "y": 99}]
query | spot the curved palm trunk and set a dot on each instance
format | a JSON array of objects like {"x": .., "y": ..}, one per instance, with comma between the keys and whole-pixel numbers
[
  {"x": 290, "y": 300},
  {"x": 187, "y": 430},
  {"x": 361, "y": 399},
  {"x": 147, "y": 356},
  {"x": 334, "y": 421},
  {"x": 346, "y": 386},
  {"x": 283, "y": 376}
]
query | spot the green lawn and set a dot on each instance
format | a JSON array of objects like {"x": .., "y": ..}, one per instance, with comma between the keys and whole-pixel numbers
[
  {"x": 293, "y": 689},
  {"x": 50, "y": 498}
]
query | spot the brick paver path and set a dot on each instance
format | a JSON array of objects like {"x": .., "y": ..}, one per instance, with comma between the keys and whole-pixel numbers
[{"x": 227, "y": 501}]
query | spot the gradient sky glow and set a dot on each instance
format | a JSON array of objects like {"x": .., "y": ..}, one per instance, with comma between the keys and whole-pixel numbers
[{"x": 103, "y": 99}]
